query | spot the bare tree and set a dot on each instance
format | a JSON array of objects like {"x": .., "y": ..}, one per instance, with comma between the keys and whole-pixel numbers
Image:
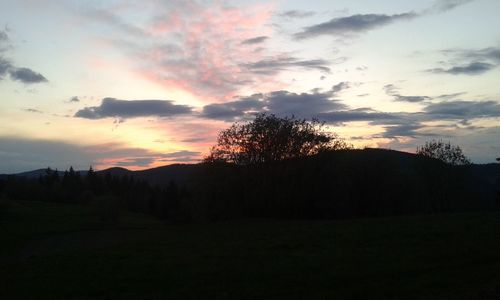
[{"x": 270, "y": 138}]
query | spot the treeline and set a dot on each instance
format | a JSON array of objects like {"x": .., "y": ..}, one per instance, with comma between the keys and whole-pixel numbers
[
  {"x": 108, "y": 194},
  {"x": 329, "y": 185}
]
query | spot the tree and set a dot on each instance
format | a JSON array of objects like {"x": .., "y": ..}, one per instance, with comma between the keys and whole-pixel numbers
[
  {"x": 270, "y": 138},
  {"x": 445, "y": 152}
]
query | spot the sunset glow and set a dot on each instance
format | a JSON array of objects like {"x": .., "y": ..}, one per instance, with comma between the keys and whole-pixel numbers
[{"x": 140, "y": 84}]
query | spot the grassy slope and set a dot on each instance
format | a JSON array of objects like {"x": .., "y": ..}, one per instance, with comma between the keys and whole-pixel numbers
[{"x": 54, "y": 251}]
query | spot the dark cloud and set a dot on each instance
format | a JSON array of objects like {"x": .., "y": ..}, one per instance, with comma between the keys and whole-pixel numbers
[
  {"x": 340, "y": 87},
  {"x": 392, "y": 90},
  {"x": 450, "y": 96},
  {"x": 359, "y": 23},
  {"x": 32, "y": 110},
  {"x": 282, "y": 103},
  {"x": 5, "y": 66},
  {"x": 491, "y": 53},
  {"x": 255, "y": 40},
  {"x": 352, "y": 24},
  {"x": 297, "y": 14},
  {"x": 361, "y": 114},
  {"x": 234, "y": 109},
  {"x": 274, "y": 65},
  {"x": 412, "y": 99},
  {"x": 114, "y": 108},
  {"x": 473, "y": 68},
  {"x": 463, "y": 110},
  {"x": 74, "y": 99},
  {"x": 26, "y": 75},
  {"x": 446, "y": 5}
]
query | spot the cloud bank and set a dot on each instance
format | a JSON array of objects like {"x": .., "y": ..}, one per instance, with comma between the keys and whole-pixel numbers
[{"x": 123, "y": 109}]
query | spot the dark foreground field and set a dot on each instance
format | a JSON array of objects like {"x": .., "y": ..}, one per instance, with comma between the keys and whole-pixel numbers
[{"x": 55, "y": 251}]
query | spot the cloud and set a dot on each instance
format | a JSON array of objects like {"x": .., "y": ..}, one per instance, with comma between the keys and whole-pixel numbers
[
  {"x": 255, "y": 40},
  {"x": 4, "y": 41},
  {"x": 196, "y": 46},
  {"x": 297, "y": 14},
  {"x": 283, "y": 103},
  {"x": 352, "y": 24},
  {"x": 201, "y": 47},
  {"x": 402, "y": 130},
  {"x": 33, "y": 110},
  {"x": 412, "y": 99},
  {"x": 491, "y": 53},
  {"x": 5, "y": 66},
  {"x": 473, "y": 68},
  {"x": 392, "y": 90},
  {"x": 359, "y": 23},
  {"x": 114, "y": 20},
  {"x": 441, "y": 6},
  {"x": 123, "y": 109},
  {"x": 340, "y": 87},
  {"x": 74, "y": 99},
  {"x": 450, "y": 96},
  {"x": 234, "y": 109},
  {"x": 361, "y": 114},
  {"x": 463, "y": 110},
  {"x": 469, "y": 61},
  {"x": 26, "y": 75},
  {"x": 137, "y": 162},
  {"x": 274, "y": 65}
]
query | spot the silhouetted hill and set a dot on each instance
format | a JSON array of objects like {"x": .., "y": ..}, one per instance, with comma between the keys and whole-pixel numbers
[
  {"x": 156, "y": 176},
  {"x": 346, "y": 183},
  {"x": 116, "y": 171},
  {"x": 338, "y": 184}
]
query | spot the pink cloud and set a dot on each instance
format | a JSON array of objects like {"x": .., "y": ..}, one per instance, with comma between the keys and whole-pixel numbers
[{"x": 199, "y": 48}]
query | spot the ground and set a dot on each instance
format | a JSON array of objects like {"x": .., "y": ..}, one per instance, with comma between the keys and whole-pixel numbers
[{"x": 58, "y": 251}]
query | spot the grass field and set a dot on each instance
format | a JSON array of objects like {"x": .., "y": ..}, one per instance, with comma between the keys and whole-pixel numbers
[{"x": 56, "y": 251}]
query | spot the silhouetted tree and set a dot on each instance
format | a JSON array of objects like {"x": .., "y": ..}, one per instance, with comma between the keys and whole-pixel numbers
[
  {"x": 445, "y": 152},
  {"x": 270, "y": 138}
]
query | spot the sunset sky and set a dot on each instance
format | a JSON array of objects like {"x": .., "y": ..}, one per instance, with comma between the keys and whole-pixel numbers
[{"x": 140, "y": 84}]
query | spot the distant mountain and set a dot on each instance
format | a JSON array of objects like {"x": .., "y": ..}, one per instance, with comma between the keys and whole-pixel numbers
[{"x": 37, "y": 173}]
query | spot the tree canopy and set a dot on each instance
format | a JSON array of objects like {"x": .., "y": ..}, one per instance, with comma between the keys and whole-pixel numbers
[
  {"x": 270, "y": 138},
  {"x": 445, "y": 152}
]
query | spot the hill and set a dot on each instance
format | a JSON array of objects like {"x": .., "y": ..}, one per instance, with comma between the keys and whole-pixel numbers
[{"x": 330, "y": 185}]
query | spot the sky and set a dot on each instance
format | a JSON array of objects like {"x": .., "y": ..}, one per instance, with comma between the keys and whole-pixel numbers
[{"x": 140, "y": 84}]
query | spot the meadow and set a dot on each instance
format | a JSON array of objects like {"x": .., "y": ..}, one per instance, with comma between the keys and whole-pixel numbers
[{"x": 65, "y": 251}]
